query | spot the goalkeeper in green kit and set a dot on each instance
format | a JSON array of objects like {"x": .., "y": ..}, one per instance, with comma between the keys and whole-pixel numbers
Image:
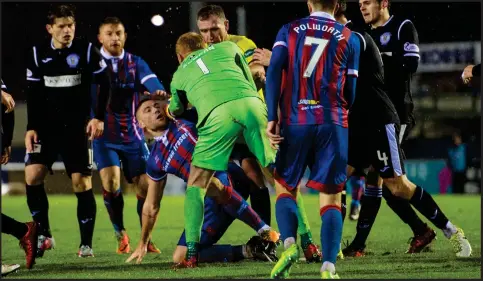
[{"x": 216, "y": 80}]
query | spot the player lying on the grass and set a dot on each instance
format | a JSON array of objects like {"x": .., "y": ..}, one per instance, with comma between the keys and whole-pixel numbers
[
  {"x": 214, "y": 27},
  {"x": 122, "y": 141},
  {"x": 400, "y": 57},
  {"x": 215, "y": 80},
  {"x": 175, "y": 140}
]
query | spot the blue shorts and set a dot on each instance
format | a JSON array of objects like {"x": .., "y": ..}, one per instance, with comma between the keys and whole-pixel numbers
[
  {"x": 216, "y": 220},
  {"x": 132, "y": 156},
  {"x": 321, "y": 148}
]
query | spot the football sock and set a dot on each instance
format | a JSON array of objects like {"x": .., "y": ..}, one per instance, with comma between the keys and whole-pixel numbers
[
  {"x": 114, "y": 203},
  {"x": 238, "y": 208},
  {"x": 221, "y": 253},
  {"x": 139, "y": 208},
  {"x": 330, "y": 232},
  {"x": 193, "y": 217},
  {"x": 39, "y": 207},
  {"x": 357, "y": 184},
  {"x": 370, "y": 204},
  {"x": 403, "y": 209},
  {"x": 303, "y": 223},
  {"x": 424, "y": 203},
  {"x": 86, "y": 216},
  {"x": 13, "y": 227},
  {"x": 260, "y": 199},
  {"x": 287, "y": 216}
]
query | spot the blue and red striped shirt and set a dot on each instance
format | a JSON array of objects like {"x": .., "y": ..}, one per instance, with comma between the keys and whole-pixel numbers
[
  {"x": 130, "y": 77},
  {"x": 319, "y": 55},
  {"x": 172, "y": 152}
]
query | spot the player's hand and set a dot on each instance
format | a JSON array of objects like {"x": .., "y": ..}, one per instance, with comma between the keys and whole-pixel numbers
[
  {"x": 467, "y": 74},
  {"x": 139, "y": 253},
  {"x": 6, "y": 155},
  {"x": 95, "y": 128},
  {"x": 273, "y": 133},
  {"x": 8, "y": 101},
  {"x": 31, "y": 137},
  {"x": 262, "y": 56},
  {"x": 160, "y": 93}
]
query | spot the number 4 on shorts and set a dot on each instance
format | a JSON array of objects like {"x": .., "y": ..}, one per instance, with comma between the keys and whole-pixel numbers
[{"x": 382, "y": 157}]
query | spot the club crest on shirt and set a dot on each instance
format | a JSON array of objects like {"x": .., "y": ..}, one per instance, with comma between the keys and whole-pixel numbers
[
  {"x": 385, "y": 37},
  {"x": 73, "y": 60}
]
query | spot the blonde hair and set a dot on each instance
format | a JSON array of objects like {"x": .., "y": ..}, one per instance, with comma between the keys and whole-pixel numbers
[{"x": 189, "y": 42}]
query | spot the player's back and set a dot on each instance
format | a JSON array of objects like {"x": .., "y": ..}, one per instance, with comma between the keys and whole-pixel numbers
[
  {"x": 172, "y": 152},
  {"x": 320, "y": 55},
  {"x": 372, "y": 105},
  {"x": 213, "y": 76}
]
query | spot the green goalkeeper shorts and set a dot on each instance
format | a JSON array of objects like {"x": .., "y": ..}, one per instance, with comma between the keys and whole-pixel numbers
[{"x": 218, "y": 133}]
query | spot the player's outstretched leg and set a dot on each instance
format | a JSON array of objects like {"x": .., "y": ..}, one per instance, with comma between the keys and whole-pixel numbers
[
  {"x": 38, "y": 202},
  {"x": 426, "y": 205},
  {"x": 310, "y": 249},
  {"x": 423, "y": 234},
  {"x": 86, "y": 212},
  {"x": 26, "y": 233}
]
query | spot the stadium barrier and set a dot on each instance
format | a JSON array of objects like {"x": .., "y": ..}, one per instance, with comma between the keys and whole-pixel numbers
[{"x": 432, "y": 175}]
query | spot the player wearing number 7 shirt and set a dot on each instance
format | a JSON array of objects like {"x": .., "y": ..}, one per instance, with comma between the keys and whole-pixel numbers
[{"x": 319, "y": 57}]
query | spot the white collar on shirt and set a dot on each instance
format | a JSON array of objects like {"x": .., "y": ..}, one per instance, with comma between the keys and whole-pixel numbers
[
  {"x": 323, "y": 15},
  {"x": 53, "y": 47},
  {"x": 108, "y": 56}
]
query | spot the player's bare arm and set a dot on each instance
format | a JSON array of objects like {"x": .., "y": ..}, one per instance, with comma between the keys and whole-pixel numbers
[
  {"x": 262, "y": 56},
  {"x": 258, "y": 73},
  {"x": 150, "y": 214}
]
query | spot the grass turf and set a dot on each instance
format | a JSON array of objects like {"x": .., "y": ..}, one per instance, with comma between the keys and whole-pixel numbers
[{"x": 387, "y": 244}]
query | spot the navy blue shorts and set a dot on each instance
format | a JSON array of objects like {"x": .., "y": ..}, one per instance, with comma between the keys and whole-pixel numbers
[
  {"x": 132, "y": 156},
  {"x": 321, "y": 148}
]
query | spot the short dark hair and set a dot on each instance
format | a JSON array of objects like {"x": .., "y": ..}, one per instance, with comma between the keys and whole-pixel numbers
[
  {"x": 327, "y": 4},
  {"x": 111, "y": 20},
  {"x": 61, "y": 11},
  {"x": 342, "y": 8},
  {"x": 388, "y": 3},
  {"x": 210, "y": 10}
]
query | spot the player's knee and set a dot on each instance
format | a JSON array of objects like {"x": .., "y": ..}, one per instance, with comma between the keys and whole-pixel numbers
[
  {"x": 110, "y": 178},
  {"x": 199, "y": 177},
  {"x": 81, "y": 183},
  {"x": 35, "y": 174},
  {"x": 179, "y": 254}
]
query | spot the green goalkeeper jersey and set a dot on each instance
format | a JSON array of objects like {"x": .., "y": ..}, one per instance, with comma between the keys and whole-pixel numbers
[{"x": 210, "y": 77}]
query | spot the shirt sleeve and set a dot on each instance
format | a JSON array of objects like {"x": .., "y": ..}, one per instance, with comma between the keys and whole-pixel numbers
[
  {"x": 409, "y": 42},
  {"x": 147, "y": 77},
  {"x": 248, "y": 47},
  {"x": 354, "y": 55},
  {"x": 98, "y": 67},
  {"x": 476, "y": 71},
  {"x": 153, "y": 171},
  {"x": 35, "y": 91},
  {"x": 278, "y": 63}
]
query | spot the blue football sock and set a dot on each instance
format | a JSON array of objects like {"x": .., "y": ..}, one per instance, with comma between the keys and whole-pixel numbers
[
  {"x": 330, "y": 232},
  {"x": 286, "y": 215}
]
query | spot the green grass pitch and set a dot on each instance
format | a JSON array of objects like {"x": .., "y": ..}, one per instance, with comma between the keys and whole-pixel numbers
[{"x": 387, "y": 243}]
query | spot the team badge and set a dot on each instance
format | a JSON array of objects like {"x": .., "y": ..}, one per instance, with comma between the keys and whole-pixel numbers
[
  {"x": 73, "y": 60},
  {"x": 385, "y": 38}
]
